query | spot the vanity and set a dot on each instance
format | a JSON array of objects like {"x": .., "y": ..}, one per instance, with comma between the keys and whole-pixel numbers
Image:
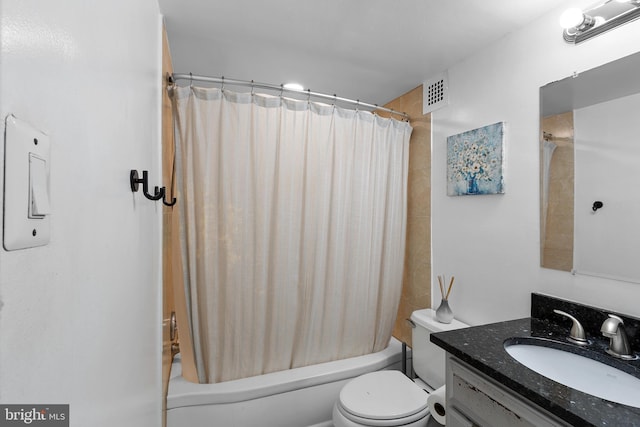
[{"x": 487, "y": 387}]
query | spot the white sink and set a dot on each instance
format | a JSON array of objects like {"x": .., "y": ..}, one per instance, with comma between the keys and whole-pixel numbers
[{"x": 578, "y": 372}]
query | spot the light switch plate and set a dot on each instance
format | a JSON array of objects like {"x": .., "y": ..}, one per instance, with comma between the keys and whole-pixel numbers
[{"x": 22, "y": 144}]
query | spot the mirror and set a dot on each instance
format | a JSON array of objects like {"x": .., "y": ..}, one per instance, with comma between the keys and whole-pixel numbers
[{"x": 590, "y": 172}]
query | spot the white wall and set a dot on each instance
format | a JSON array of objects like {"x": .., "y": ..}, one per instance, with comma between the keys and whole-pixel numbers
[
  {"x": 491, "y": 243},
  {"x": 80, "y": 319}
]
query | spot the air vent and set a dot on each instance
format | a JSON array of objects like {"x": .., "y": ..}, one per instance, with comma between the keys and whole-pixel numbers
[{"x": 435, "y": 93}]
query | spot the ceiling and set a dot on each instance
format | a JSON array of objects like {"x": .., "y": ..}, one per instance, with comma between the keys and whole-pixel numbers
[{"x": 372, "y": 50}]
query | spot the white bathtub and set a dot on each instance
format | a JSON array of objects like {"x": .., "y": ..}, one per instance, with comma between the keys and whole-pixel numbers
[{"x": 300, "y": 397}]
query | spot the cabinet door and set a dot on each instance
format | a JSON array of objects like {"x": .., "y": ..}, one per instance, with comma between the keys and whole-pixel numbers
[{"x": 484, "y": 403}]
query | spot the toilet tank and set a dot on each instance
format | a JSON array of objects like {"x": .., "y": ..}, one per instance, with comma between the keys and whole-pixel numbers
[{"x": 428, "y": 358}]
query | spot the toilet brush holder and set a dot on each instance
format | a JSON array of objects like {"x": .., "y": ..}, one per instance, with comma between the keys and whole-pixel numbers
[{"x": 443, "y": 312}]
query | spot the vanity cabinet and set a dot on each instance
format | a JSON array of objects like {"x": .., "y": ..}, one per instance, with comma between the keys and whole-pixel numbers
[{"x": 475, "y": 400}]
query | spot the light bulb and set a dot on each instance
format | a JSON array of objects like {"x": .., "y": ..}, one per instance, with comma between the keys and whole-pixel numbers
[{"x": 571, "y": 18}]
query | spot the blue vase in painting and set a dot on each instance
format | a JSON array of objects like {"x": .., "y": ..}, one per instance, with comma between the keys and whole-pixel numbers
[{"x": 472, "y": 185}]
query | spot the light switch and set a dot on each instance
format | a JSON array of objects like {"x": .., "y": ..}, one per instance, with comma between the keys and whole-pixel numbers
[
  {"x": 39, "y": 205},
  {"x": 27, "y": 202}
]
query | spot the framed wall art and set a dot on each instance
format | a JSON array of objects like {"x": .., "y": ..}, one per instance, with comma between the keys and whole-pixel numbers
[{"x": 475, "y": 161}]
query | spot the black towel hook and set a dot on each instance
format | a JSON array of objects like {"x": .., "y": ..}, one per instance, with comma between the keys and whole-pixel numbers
[
  {"x": 159, "y": 192},
  {"x": 597, "y": 205},
  {"x": 171, "y": 203}
]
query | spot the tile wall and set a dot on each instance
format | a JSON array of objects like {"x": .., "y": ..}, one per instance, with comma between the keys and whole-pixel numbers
[{"x": 416, "y": 287}]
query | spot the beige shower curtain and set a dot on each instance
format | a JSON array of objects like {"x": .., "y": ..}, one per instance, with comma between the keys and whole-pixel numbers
[{"x": 292, "y": 229}]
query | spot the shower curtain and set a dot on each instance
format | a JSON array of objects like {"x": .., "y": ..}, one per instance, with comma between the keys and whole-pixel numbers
[{"x": 292, "y": 229}]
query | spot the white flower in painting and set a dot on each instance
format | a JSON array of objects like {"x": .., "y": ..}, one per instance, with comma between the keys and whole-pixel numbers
[{"x": 472, "y": 160}]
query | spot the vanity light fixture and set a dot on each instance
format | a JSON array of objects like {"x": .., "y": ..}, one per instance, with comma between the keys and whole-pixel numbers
[
  {"x": 582, "y": 25},
  {"x": 574, "y": 20}
]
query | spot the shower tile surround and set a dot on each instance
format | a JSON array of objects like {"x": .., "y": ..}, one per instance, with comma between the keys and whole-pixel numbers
[
  {"x": 482, "y": 347},
  {"x": 416, "y": 282}
]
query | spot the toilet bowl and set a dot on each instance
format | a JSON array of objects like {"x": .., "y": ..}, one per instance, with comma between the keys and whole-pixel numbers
[
  {"x": 383, "y": 398},
  {"x": 390, "y": 398}
]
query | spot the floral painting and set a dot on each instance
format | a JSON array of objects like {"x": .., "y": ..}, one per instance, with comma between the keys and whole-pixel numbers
[{"x": 474, "y": 161}]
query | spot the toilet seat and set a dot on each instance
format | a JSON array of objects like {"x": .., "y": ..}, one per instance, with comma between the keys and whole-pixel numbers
[{"x": 383, "y": 398}]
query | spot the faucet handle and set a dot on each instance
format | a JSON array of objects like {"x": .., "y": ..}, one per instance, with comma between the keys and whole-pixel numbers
[{"x": 577, "y": 334}]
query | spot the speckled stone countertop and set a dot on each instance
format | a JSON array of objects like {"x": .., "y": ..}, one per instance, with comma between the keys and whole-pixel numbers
[{"x": 483, "y": 348}]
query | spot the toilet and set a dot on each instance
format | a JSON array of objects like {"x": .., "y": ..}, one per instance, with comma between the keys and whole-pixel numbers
[{"x": 389, "y": 398}]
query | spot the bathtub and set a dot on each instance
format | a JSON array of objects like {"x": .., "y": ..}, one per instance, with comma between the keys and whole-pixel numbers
[{"x": 300, "y": 397}]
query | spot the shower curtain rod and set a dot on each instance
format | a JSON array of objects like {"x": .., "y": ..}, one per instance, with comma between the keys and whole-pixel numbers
[{"x": 172, "y": 78}]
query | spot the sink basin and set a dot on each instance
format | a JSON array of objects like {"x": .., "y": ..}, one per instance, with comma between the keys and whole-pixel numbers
[{"x": 578, "y": 372}]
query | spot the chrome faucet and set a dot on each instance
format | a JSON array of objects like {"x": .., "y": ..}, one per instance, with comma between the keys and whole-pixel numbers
[
  {"x": 613, "y": 328},
  {"x": 576, "y": 335}
]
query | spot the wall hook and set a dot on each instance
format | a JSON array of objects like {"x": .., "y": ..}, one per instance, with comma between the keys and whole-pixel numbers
[
  {"x": 171, "y": 203},
  {"x": 597, "y": 205},
  {"x": 158, "y": 193}
]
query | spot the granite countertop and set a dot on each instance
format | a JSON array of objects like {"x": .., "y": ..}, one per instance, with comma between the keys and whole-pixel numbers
[{"x": 483, "y": 348}]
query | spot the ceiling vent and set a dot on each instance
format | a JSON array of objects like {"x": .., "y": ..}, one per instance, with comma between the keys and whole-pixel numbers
[{"x": 435, "y": 93}]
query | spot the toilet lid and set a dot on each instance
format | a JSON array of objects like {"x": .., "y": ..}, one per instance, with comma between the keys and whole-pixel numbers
[{"x": 383, "y": 395}]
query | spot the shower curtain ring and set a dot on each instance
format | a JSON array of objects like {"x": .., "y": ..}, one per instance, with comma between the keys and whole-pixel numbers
[
  {"x": 222, "y": 85},
  {"x": 281, "y": 89},
  {"x": 190, "y": 79},
  {"x": 252, "y": 88},
  {"x": 308, "y": 95}
]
